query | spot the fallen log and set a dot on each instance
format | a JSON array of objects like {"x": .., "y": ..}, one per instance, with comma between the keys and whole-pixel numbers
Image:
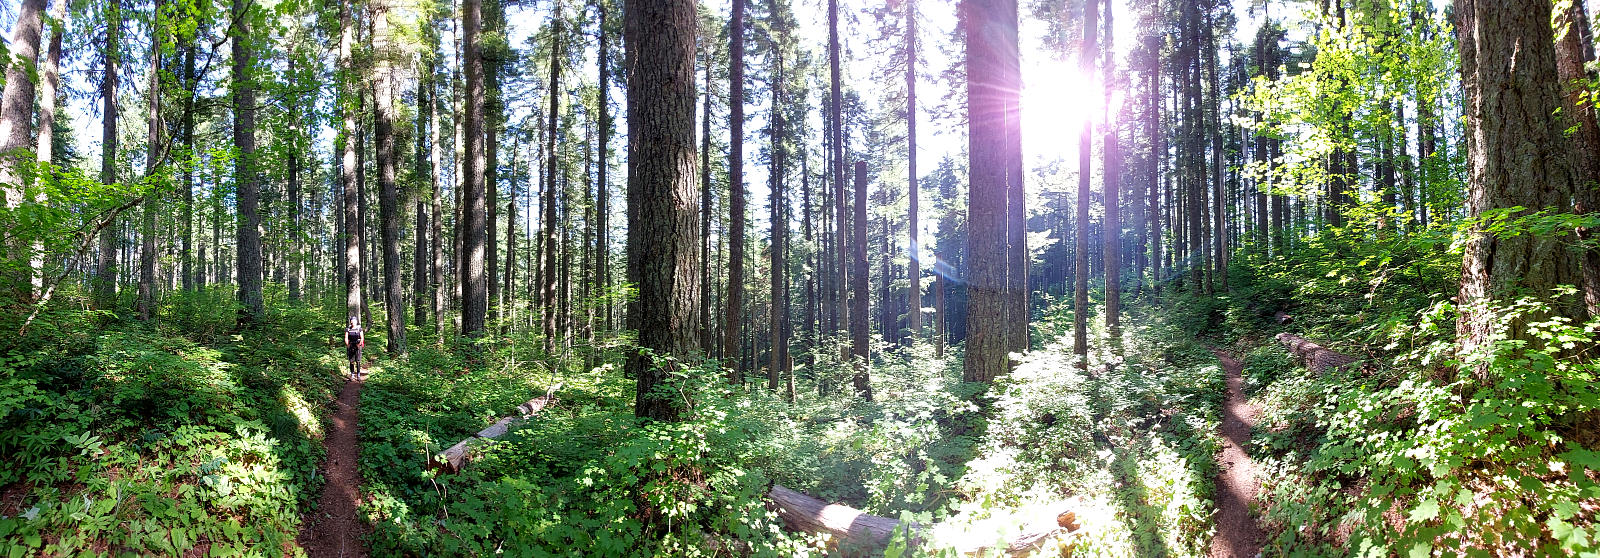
[
  {"x": 451, "y": 460},
  {"x": 856, "y": 533},
  {"x": 1317, "y": 358}
]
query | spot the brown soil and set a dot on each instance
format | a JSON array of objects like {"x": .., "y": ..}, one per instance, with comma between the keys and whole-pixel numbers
[
  {"x": 335, "y": 529},
  {"x": 1238, "y": 536}
]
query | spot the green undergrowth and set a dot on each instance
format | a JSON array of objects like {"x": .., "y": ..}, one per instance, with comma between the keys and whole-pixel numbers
[
  {"x": 178, "y": 437},
  {"x": 1419, "y": 451}
]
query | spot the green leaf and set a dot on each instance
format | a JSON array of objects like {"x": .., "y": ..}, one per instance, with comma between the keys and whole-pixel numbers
[{"x": 1425, "y": 511}]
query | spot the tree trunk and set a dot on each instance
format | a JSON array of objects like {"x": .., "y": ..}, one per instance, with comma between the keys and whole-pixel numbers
[
  {"x": 1080, "y": 297},
  {"x": 474, "y": 287},
  {"x": 780, "y": 296},
  {"x": 1571, "y": 26},
  {"x": 913, "y": 263},
  {"x": 548, "y": 288},
  {"x": 16, "y": 111},
  {"x": 858, "y": 282},
  {"x": 388, "y": 191},
  {"x": 1113, "y": 199},
  {"x": 836, "y": 132},
  {"x": 659, "y": 37},
  {"x": 1158, "y": 157},
  {"x": 420, "y": 276},
  {"x": 249, "y": 190},
  {"x": 603, "y": 195},
  {"x": 348, "y": 170},
  {"x": 987, "y": 248},
  {"x": 105, "y": 276},
  {"x": 733, "y": 320},
  {"x": 145, "y": 308},
  {"x": 1518, "y": 157},
  {"x": 708, "y": 330},
  {"x": 46, "y": 151}
]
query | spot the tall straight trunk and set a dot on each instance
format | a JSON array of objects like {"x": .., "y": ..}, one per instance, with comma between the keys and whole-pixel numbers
[
  {"x": 810, "y": 317},
  {"x": 708, "y": 331},
  {"x": 836, "y": 143},
  {"x": 493, "y": 118},
  {"x": 603, "y": 193},
  {"x": 1158, "y": 158},
  {"x": 1080, "y": 290},
  {"x": 509, "y": 303},
  {"x": 249, "y": 190},
  {"x": 364, "y": 249},
  {"x": 296, "y": 259},
  {"x": 419, "y": 262},
  {"x": 389, "y": 212},
  {"x": 988, "y": 346},
  {"x": 733, "y": 320},
  {"x": 474, "y": 290},
  {"x": 105, "y": 276},
  {"x": 436, "y": 267},
  {"x": 1017, "y": 264},
  {"x": 1219, "y": 190},
  {"x": 145, "y": 308},
  {"x": 913, "y": 271},
  {"x": 1518, "y": 156},
  {"x": 779, "y": 315},
  {"x": 51, "y": 73},
  {"x": 548, "y": 288},
  {"x": 1194, "y": 152},
  {"x": 662, "y": 259},
  {"x": 1113, "y": 200},
  {"x": 348, "y": 82},
  {"x": 858, "y": 285}
]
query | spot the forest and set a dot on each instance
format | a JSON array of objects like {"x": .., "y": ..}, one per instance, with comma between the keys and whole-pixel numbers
[{"x": 799, "y": 278}]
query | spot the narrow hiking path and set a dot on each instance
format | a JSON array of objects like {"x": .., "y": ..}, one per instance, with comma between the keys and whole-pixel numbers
[
  {"x": 1238, "y": 535},
  {"x": 335, "y": 528}
]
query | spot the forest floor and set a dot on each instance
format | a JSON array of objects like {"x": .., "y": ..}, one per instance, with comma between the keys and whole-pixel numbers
[
  {"x": 335, "y": 529},
  {"x": 1238, "y": 535}
]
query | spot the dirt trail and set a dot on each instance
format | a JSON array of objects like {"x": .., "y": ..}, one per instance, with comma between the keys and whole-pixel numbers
[
  {"x": 335, "y": 529},
  {"x": 1238, "y": 536}
]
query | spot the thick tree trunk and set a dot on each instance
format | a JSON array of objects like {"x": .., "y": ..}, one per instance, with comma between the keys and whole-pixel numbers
[
  {"x": 244, "y": 169},
  {"x": 388, "y": 190},
  {"x": 859, "y": 351},
  {"x": 474, "y": 284},
  {"x": 662, "y": 218},
  {"x": 16, "y": 112},
  {"x": 1572, "y": 53},
  {"x": 347, "y": 168},
  {"x": 779, "y": 315},
  {"x": 733, "y": 320},
  {"x": 1519, "y": 157},
  {"x": 420, "y": 276},
  {"x": 987, "y": 247}
]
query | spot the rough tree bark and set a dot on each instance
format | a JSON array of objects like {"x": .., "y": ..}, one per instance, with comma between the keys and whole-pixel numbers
[
  {"x": 987, "y": 250},
  {"x": 474, "y": 284},
  {"x": 659, "y": 36},
  {"x": 388, "y": 190},
  {"x": 145, "y": 307},
  {"x": 249, "y": 189},
  {"x": 733, "y": 320},
  {"x": 16, "y": 111},
  {"x": 1518, "y": 157},
  {"x": 859, "y": 351},
  {"x": 347, "y": 167},
  {"x": 104, "y": 283}
]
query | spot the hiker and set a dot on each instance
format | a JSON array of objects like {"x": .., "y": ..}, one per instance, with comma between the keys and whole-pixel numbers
[{"x": 354, "y": 339}]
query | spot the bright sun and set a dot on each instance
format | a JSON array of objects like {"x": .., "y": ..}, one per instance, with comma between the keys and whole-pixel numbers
[{"x": 1056, "y": 99}]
